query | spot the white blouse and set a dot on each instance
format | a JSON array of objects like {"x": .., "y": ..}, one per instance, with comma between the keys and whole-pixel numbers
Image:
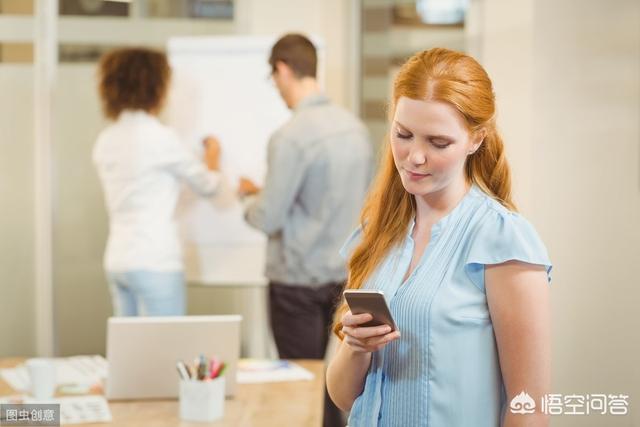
[{"x": 141, "y": 164}]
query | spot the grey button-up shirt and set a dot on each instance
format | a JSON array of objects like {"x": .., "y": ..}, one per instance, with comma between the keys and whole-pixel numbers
[{"x": 319, "y": 166}]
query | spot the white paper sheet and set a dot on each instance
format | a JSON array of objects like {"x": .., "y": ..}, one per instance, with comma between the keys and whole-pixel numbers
[{"x": 255, "y": 371}]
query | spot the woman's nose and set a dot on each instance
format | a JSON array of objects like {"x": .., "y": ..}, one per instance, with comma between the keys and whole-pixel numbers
[{"x": 417, "y": 156}]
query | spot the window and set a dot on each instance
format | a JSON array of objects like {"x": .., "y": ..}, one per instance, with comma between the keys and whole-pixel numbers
[
  {"x": 16, "y": 53},
  {"x": 204, "y": 9},
  {"x": 16, "y": 7}
]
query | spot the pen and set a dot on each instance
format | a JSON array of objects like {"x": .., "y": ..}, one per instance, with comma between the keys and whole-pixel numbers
[
  {"x": 189, "y": 371},
  {"x": 215, "y": 367},
  {"x": 182, "y": 370},
  {"x": 224, "y": 367},
  {"x": 202, "y": 368}
]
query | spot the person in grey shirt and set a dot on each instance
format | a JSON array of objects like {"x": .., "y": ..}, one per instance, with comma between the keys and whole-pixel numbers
[{"x": 318, "y": 171}]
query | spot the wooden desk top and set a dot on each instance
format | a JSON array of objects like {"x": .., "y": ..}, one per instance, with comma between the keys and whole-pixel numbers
[{"x": 296, "y": 403}]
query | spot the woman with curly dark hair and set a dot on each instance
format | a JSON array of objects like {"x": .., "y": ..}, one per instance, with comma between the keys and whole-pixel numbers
[{"x": 141, "y": 164}]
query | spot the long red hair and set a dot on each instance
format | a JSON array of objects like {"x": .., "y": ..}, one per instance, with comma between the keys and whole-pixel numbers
[{"x": 439, "y": 75}]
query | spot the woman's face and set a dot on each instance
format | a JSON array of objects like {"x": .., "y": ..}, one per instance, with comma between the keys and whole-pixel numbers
[{"x": 430, "y": 145}]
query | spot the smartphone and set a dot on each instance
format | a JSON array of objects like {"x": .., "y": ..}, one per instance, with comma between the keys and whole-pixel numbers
[{"x": 370, "y": 301}]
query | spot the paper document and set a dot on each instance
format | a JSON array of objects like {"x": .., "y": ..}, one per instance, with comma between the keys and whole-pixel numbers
[
  {"x": 83, "y": 409},
  {"x": 253, "y": 371},
  {"x": 17, "y": 378},
  {"x": 77, "y": 370},
  {"x": 74, "y": 409}
]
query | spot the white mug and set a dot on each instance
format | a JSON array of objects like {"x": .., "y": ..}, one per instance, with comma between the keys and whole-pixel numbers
[{"x": 42, "y": 374}]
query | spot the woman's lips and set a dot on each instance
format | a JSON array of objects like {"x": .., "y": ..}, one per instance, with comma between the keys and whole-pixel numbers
[{"x": 415, "y": 176}]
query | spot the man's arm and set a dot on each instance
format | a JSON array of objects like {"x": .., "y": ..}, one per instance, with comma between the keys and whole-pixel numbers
[{"x": 268, "y": 210}]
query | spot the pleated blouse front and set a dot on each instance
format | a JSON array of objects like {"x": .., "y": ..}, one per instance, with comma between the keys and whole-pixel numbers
[{"x": 444, "y": 370}]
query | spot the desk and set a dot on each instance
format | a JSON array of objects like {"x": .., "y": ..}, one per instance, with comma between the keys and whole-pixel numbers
[{"x": 297, "y": 403}]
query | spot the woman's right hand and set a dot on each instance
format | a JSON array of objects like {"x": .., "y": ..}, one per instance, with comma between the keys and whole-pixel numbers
[
  {"x": 365, "y": 339},
  {"x": 212, "y": 153}
]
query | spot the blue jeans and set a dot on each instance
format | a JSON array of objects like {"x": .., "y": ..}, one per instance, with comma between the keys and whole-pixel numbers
[{"x": 147, "y": 293}]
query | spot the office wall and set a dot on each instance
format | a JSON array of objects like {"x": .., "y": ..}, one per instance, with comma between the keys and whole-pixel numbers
[
  {"x": 566, "y": 76},
  {"x": 80, "y": 225},
  {"x": 508, "y": 56},
  {"x": 586, "y": 198},
  {"x": 17, "y": 316}
]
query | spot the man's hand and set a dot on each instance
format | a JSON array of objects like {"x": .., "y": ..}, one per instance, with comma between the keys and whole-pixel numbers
[
  {"x": 247, "y": 187},
  {"x": 212, "y": 153}
]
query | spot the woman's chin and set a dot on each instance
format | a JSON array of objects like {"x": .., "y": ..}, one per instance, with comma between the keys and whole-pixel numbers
[{"x": 417, "y": 189}]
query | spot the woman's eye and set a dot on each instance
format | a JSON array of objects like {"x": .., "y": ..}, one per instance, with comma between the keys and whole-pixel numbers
[
  {"x": 440, "y": 144},
  {"x": 403, "y": 135}
]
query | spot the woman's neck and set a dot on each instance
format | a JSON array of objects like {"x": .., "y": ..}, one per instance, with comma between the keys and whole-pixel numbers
[{"x": 430, "y": 208}]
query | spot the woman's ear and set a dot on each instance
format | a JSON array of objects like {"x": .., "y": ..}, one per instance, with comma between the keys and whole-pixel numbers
[{"x": 477, "y": 139}]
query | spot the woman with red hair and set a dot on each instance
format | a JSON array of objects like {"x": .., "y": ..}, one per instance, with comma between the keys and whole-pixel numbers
[{"x": 465, "y": 276}]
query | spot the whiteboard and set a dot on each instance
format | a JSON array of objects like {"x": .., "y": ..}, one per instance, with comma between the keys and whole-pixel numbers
[{"x": 221, "y": 86}]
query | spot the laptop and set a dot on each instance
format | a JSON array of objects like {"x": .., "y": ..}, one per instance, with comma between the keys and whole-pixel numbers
[{"x": 142, "y": 352}]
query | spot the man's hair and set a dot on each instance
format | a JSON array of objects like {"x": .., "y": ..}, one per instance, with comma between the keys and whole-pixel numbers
[
  {"x": 133, "y": 78},
  {"x": 297, "y": 52}
]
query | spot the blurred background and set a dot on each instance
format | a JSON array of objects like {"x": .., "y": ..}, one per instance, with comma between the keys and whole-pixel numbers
[{"x": 567, "y": 80}]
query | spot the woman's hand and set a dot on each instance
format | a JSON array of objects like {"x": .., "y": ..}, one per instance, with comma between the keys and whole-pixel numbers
[
  {"x": 347, "y": 371},
  {"x": 365, "y": 339},
  {"x": 212, "y": 153}
]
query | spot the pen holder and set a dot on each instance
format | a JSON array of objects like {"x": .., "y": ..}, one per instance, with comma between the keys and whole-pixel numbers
[{"x": 202, "y": 400}]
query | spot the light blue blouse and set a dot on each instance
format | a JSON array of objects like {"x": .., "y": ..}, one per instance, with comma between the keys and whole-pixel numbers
[{"x": 444, "y": 370}]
